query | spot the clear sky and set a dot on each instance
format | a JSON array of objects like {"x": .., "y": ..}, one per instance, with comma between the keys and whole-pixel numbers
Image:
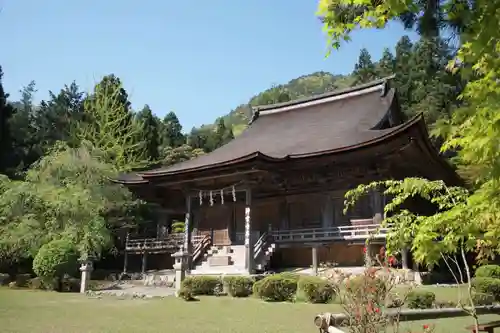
[{"x": 198, "y": 58}]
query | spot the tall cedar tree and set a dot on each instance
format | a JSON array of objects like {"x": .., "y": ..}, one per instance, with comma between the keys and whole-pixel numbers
[
  {"x": 149, "y": 134},
  {"x": 110, "y": 127},
  {"x": 171, "y": 131},
  {"x": 26, "y": 148},
  {"x": 402, "y": 70},
  {"x": 6, "y": 140},
  {"x": 364, "y": 70},
  {"x": 385, "y": 67},
  {"x": 199, "y": 138},
  {"x": 434, "y": 90},
  {"x": 57, "y": 117}
]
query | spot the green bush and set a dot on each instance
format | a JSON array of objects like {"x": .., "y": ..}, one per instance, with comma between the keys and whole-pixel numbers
[
  {"x": 202, "y": 285},
  {"x": 239, "y": 286},
  {"x": 55, "y": 259},
  {"x": 487, "y": 285},
  {"x": 421, "y": 299},
  {"x": 277, "y": 288},
  {"x": 316, "y": 290},
  {"x": 488, "y": 271},
  {"x": 186, "y": 295},
  {"x": 394, "y": 301},
  {"x": 178, "y": 227},
  {"x": 4, "y": 279},
  {"x": 257, "y": 287},
  {"x": 482, "y": 299}
]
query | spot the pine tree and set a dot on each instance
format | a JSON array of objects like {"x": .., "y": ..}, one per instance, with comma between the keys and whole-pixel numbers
[
  {"x": 402, "y": 70},
  {"x": 171, "y": 131},
  {"x": 364, "y": 70},
  {"x": 149, "y": 133},
  {"x": 62, "y": 112},
  {"x": 109, "y": 125},
  {"x": 434, "y": 89},
  {"x": 385, "y": 66},
  {"x": 6, "y": 140}
]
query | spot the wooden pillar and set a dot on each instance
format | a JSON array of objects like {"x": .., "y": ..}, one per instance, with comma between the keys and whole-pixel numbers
[
  {"x": 249, "y": 241},
  {"x": 327, "y": 214},
  {"x": 284, "y": 223},
  {"x": 187, "y": 232},
  {"x": 144, "y": 261},
  {"x": 314, "y": 252},
  {"x": 377, "y": 204}
]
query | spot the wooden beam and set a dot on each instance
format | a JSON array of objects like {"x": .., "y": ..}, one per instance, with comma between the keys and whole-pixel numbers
[{"x": 208, "y": 177}]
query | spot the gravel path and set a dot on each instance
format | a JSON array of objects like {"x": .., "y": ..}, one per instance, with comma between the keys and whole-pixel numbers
[{"x": 131, "y": 290}]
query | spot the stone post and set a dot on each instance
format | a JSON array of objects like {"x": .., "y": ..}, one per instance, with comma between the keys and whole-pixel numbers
[
  {"x": 180, "y": 269},
  {"x": 125, "y": 262},
  {"x": 314, "y": 251},
  {"x": 86, "y": 268},
  {"x": 144, "y": 262},
  {"x": 249, "y": 241}
]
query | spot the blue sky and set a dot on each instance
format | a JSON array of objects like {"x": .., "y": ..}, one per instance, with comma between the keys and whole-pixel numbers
[{"x": 198, "y": 58}]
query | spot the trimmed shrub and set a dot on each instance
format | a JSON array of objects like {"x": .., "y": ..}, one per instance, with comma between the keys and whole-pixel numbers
[
  {"x": 239, "y": 286},
  {"x": 202, "y": 285},
  {"x": 394, "y": 301},
  {"x": 445, "y": 304},
  {"x": 418, "y": 299},
  {"x": 186, "y": 295},
  {"x": 4, "y": 279},
  {"x": 257, "y": 287},
  {"x": 317, "y": 290},
  {"x": 488, "y": 271},
  {"x": 55, "y": 259},
  {"x": 483, "y": 299},
  {"x": 487, "y": 285},
  {"x": 276, "y": 288}
]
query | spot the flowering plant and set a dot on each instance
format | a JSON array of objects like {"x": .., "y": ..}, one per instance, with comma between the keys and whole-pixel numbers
[{"x": 365, "y": 297}]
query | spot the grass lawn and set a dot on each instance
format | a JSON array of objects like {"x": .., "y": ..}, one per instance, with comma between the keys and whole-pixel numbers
[{"x": 27, "y": 311}]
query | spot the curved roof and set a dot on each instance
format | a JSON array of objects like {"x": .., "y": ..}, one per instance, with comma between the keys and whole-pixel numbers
[
  {"x": 325, "y": 124},
  {"x": 317, "y": 125}
]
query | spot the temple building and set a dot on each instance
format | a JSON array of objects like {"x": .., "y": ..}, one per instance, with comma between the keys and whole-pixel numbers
[{"x": 272, "y": 198}]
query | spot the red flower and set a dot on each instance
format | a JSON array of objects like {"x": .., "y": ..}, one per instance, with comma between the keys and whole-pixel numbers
[
  {"x": 426, "y": 326},
  {"x": 364, "y": 249},
  {"x": 377, "y": 310}
]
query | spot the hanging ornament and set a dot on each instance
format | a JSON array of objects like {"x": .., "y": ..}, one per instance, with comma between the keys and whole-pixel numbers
[
  {"x": 211, "y": 199},
  {"x": 234, "y": 194},
  {"x": 222, "y": 196},
  {"x": 201, "y": 197}
]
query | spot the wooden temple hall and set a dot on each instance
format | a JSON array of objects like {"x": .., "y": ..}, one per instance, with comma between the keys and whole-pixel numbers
[{"x": 272, "y": 198}]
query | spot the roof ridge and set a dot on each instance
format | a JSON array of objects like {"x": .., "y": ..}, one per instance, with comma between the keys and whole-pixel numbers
[{"x": 382, "y": 84}]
